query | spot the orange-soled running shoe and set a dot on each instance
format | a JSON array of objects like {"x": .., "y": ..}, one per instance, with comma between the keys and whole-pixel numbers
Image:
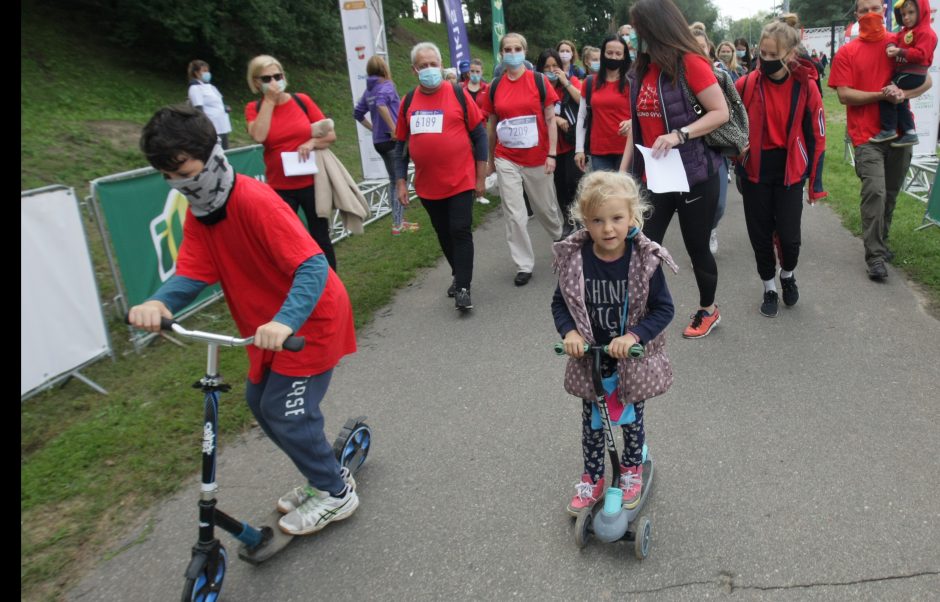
[{"x": 702, "y": 324}]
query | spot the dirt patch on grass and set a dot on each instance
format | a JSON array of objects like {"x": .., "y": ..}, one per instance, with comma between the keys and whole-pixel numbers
[
  {"x": 122, "y": 135},
  {"x": 401, "y": 34}
]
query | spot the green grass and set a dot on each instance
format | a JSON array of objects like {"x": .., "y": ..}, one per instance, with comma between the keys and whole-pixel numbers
[
  {"x": 91, "y": 464},
  {"x": 916, "y": 253}
]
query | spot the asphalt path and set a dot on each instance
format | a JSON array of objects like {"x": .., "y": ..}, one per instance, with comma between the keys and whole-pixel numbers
[{"x": 797, "y": 458}]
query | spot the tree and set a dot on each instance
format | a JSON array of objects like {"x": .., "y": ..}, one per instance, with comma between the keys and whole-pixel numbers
[{"x": 814, "y": 13}]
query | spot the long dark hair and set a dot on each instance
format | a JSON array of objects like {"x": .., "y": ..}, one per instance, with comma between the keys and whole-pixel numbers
[
  {"x": 601, "y": 75},
  {"x": 666, "y": 36},
  {"x": 746, "y": 61},
  {"x": 543, "y": 58}
]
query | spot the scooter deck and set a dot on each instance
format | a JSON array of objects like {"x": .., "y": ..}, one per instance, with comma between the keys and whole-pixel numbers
[
  {"x": 274, "y": 541},
  {"x": 632, "y": 513}
]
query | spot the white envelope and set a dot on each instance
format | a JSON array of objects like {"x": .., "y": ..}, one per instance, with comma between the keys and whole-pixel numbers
[{"x": 293, "y": 166}]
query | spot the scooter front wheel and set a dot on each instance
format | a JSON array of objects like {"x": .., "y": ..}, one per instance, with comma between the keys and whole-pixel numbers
[
  {"x": 206, "y": 586},
  {"x": 641, "y": 542},
  {"x": 582, "y": 526}
]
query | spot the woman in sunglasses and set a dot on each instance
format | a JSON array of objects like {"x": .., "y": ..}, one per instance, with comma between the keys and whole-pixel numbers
[{"x": 282, "y": 123}]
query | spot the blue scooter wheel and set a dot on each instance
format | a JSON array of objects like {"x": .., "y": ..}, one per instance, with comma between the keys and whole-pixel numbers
[
  {"x": 641, "y": 542},
  {"x": 205, "y": 587},
  {"x": 353, "y": 443}
]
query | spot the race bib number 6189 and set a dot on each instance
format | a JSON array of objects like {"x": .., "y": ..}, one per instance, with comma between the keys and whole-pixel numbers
[{"x": 427, "y": 122}]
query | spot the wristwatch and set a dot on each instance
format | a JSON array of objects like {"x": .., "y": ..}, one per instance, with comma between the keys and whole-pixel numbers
[{"x": 686, "y": 134}]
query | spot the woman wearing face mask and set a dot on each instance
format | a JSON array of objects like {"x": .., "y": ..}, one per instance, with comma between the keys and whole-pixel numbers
[
  {"x": 605, "y": 126},
  {"x": 523, "y": 151},
  {"x": 567, "y": 51},
  {"x": 780, "y": 157},
  {"x": 742, "y": 52},
  {"x": 207, "y": 98},
  {"x": 282, "y": 122},
  {"x": 729, "y": 60},
  {"x": 474, "y": 83},
  {"x": 567, "y": 175},
  {"x": 663, "y": 119},
  {"x": 591, "y": 59}
]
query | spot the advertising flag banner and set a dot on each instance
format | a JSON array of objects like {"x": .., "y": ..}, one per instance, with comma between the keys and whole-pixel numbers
[
  {"x": 456, "y": 32},
  {"x": 499, "y": 27}
]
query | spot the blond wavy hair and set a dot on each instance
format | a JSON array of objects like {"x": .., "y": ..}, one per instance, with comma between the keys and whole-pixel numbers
[{"x": 598, "y": 187}]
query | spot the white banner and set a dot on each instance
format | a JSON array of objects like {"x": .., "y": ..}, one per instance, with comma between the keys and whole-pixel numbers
[
  {"x": 820, "y": 39},
  {"x": 926, "y": 108},
  {"x": 61, "y": 325},
  {"x": 364, "y": 33}
]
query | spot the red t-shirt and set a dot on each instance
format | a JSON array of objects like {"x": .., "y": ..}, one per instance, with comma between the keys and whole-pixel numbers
[
  {"x": 863, "y": 66},
  {"x": 608, "y": 108},
  {"x": 778, "y": 98},
  {"x": 290, "y": 128},
  {"x": 254, "y": 253},
  {"x": 564, "y": 147},
  {"x": 520, "y": 98},
  {"x": 444, "y": 164},
  {"x": 699, "y": 74}
]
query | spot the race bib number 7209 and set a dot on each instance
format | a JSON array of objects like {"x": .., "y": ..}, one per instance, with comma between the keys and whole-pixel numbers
[
  {"x": 427, "y": 122},
  {"x": 518, "y": 132}
]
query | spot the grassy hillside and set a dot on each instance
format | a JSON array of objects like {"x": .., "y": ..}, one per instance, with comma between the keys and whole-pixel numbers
[{"x": 83, "y": 104}]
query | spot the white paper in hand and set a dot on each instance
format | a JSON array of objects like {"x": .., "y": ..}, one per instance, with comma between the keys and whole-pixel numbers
[
  {"x": 293, "y": 166},
  {"x": 666, "y": 174}
]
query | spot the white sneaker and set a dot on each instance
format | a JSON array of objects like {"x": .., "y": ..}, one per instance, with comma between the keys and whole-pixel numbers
[
  {"x": 298, "y": 495},
  {"x": 713, "y": 241},
  {"x": 317, "y": 512}
]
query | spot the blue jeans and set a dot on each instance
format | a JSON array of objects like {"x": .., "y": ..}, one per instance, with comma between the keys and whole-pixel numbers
[{"x": 606, "y": 162}]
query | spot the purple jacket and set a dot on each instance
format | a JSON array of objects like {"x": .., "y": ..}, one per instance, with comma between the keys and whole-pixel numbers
[
  {"x": 700, "y": 161},
  {"x": 378, "y": 94}
]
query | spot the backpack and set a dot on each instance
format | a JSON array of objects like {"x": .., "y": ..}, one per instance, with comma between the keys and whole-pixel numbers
[
  {"x": 458, "y": 91},
  {"x": 730, "y": 138},
  {"x": 569, "y": 112},
  {"x": 539, "y": 83},
  {"x": 588, "y": 86},
  {"x": 296, "y": 99}
]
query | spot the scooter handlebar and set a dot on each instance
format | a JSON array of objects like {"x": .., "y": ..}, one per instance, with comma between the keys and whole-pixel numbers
[
  {"x": 291, "y": 343},
  {"x": 636, "y": 350}
]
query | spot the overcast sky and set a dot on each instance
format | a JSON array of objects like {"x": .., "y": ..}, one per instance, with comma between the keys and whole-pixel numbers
[{"x": 738, "y": 9}]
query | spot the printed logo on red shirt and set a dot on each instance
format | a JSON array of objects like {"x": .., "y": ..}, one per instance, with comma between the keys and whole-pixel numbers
[{"x": 647, "y": 103}]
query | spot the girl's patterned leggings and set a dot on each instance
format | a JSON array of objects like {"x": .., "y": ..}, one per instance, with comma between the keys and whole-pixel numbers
[{"x": 592, "y": 442}]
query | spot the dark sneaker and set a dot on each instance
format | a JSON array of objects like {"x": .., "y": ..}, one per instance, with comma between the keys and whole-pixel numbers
[
  {"x": 702, "y": 324},
  {"x": 877, "y": 271},
  {"x": 889, "y": 255},
  {"x": 452, "y": 289},
  {"x": 905, "y": 140},
  {"x": 791, "y": 294},
  {"x": 522, "y": 278},
  {"x": 883, "y": 136},
  {"x": 769, "y": 306},
  {"x": 462, "y": 300}
]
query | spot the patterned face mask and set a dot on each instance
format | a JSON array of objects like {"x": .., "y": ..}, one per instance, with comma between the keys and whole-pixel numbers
[{"x": 208, "y": 190}]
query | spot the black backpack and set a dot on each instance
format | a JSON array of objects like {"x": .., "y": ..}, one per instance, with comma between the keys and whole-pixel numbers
[
  {"x": 296, "y": 99},
  {"x": 539, "y": 83},
  {"x": 458, "y": 91},
  {"x": 588, "y": 86}
]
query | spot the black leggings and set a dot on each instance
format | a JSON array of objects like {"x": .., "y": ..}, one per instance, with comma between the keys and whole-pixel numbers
[
  {"x": 594, "y": 449},
  {"x": 770, "y": 208},
  {"x": 567, "y": 176},
  {"x": 319, "y": 227},
  {"x": 696, "y": 210},
  {"x": 452, "y": 219}
]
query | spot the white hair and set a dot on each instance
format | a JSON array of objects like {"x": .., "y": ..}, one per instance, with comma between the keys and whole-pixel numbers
[{"x": 422, "y": 46}]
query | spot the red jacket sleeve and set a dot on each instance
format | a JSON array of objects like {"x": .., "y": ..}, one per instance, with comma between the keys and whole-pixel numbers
[
  {"x": 815, "y": 131},
  {"x": 921, "y": 52}
]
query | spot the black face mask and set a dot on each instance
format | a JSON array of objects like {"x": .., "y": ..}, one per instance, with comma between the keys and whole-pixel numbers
[
  {"x": 614, "y": 64},
  {"x": 770, "y": 67}
]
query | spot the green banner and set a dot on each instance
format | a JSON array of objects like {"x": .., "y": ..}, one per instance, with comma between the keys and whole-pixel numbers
[
  {"x": 933, "y": 203},
  {"x": 499, "y": 28},
  {"x": 145, "y": 218}
]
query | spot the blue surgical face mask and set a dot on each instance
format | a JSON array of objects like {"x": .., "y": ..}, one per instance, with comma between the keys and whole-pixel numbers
[
  {"x": 633, "y": 55},
  {"x": 551, "y": 75},
  {"x": 595, "y": 66},
  {"x": 740, "y": 53},
  {"x": 430, "y": 77},
  {"x": 475, "y": 77},
  {"x": 206, "y": 77},
  {"x": 513, "y": 59}
]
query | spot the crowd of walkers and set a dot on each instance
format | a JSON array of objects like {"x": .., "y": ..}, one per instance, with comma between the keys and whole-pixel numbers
[{"x": 562, "y": 140}]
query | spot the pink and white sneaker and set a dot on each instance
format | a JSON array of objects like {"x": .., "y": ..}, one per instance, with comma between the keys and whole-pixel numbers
[
  {"x": 631, "y": 481},
  {"x": 586, "y": 493}
]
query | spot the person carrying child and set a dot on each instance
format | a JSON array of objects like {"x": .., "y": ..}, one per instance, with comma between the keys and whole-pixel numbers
[
  {"x": 277, "y": 283},
  {"x": 612, "y": 291},
  {"x": 912, "y": 53}
]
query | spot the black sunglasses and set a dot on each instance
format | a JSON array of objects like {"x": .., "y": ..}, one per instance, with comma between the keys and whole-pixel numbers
[{"x": 267, "y": 78}]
